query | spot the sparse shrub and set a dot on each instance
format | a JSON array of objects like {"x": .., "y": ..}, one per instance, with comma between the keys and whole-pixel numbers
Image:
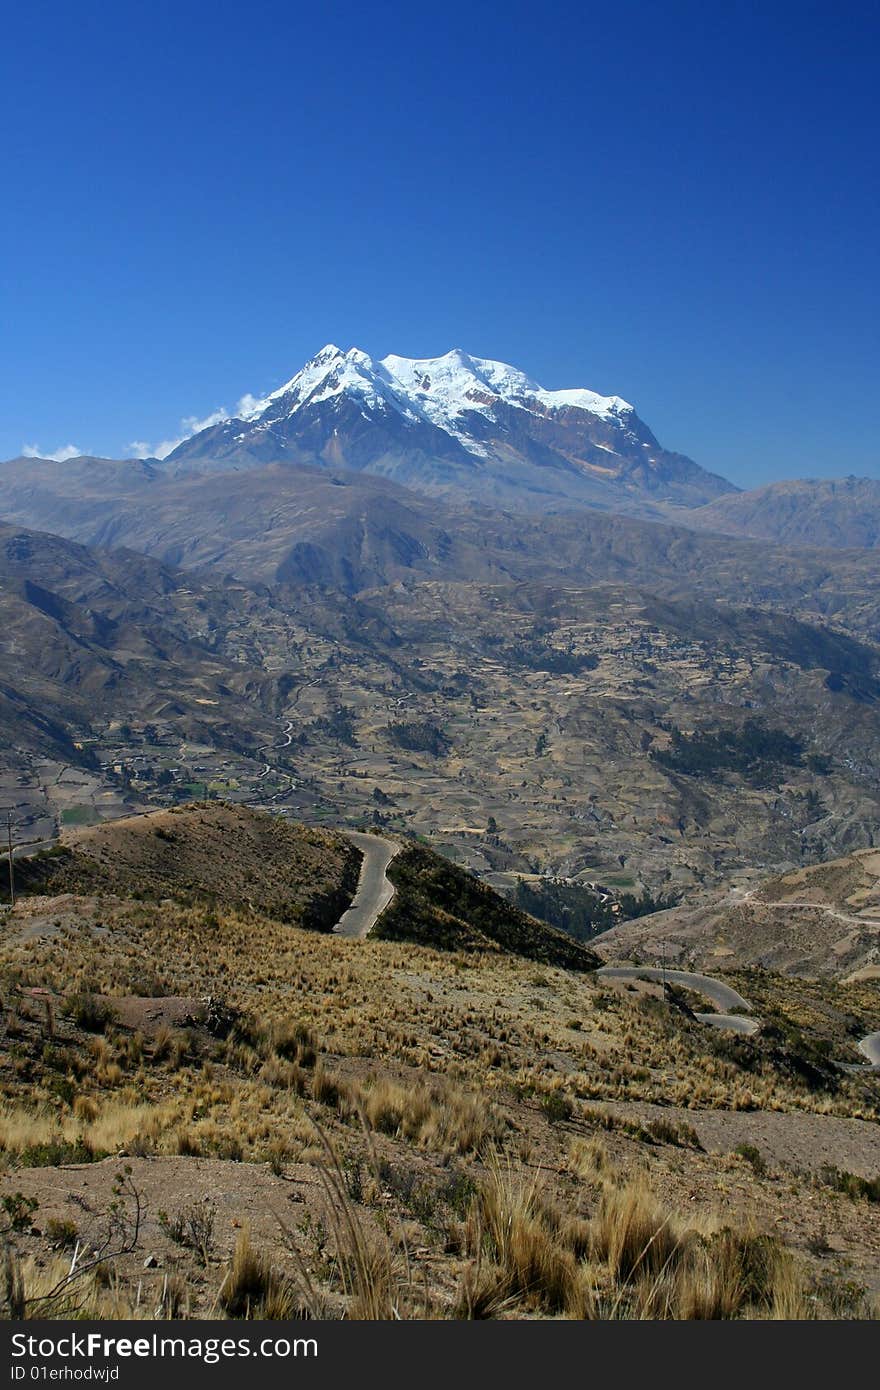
[
  {"x": 62, "y": 1231},
  {"x": 229, "y": 1147},
  {"x": 557, "y": 1107},
  {"x": 19, "y": 1210},
  {"x": 55, "y": 1152},
  {"x": 752, "y": 1156},
  {"x": 851, "y": 1184},
  {"x": 192, "y": 1227},
  {"x": 295, "y": 1042},
  {"x": 679, "y": 1133},
  {"x": 88, "y": 1011}
]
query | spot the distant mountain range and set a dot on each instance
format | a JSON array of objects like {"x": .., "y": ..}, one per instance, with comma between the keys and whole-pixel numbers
[
  {"x": 422, "y": 561},
  {"x": 804, "y": 512},
  {"x": 351, "y": 532},
  {"x": 464, "y": 429}
]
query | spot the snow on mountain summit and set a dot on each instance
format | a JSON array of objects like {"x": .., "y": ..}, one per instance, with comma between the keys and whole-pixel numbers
[
  {"x": 440, "y": 390},
  {"x": 456, "y": 383}
]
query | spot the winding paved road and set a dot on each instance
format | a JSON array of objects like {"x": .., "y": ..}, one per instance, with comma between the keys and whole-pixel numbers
[
  {"x": 375, "y": 889},
  {"x": 723, "y": 994},
  {"x": 716, "y": 990},
  {"x": 720, "y": 993},
  {"x": 731, "y": 1023}
]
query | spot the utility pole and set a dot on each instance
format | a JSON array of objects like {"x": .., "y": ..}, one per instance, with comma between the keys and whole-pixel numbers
[{"x": 11, "y": 861}]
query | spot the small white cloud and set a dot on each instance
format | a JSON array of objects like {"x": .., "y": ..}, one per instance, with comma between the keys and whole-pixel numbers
[
  {"x": 191, "y": 425},
  {"x": 249, "y": 406},
  {"x": 69, "y": 451},
  {"x": 139, "y": 449}
]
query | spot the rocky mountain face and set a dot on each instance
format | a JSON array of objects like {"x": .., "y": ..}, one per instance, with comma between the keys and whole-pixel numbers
[{"x": 456, "y": 425}]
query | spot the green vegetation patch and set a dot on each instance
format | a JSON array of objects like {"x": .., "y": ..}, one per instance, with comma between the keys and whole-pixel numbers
[
  {"x": 759, "y": 754},
  {"x": 579, "y": 911},
  {"x": 420, "y": 737},
  {"x": 80, "y": 815}
]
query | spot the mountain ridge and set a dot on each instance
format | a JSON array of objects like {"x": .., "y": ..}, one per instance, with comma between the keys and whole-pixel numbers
[{"x": 814, "y": 512}]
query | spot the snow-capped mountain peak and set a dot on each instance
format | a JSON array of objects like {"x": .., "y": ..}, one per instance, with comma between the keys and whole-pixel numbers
[
  {"x": 439, "y": 390},
  {"x": 447, "y": 423},
  {"x": 331, "y": 372}
]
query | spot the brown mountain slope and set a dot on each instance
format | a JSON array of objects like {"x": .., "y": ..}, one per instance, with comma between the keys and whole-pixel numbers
[
  {"x": 438, "y": 904},
  {"x": 87, "y": 634},
  {"x": 247, "y": 860},
  {"x": 208, "y": 851},
  {"x": 292, "y": 525},
  {"x": 820, "y": 921}
]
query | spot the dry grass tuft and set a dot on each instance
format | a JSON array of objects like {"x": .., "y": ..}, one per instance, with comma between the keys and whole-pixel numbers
[
  {"x": 632, "y": 1234},
  {"x": 437, "y": 1117},
  {"x": 518, "y": 1232},
  {"x": 253, "y": 1288}
]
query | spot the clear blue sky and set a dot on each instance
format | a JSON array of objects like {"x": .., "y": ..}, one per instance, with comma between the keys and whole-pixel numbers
[{"x": 675, "y": 202}]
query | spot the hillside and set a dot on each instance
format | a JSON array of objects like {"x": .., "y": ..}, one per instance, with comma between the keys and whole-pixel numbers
[
  {"x": 206, "y": 853},
  {"x": 287, "y": 526},
  {"x": 838, "y": 512},
  {"x": 382, "y": 1129},
  {"x": 821, "y": 921},
  {"x": 214, "y": 853},
  {"x": 90, "y": 634},
  {"x": 588, "y": 722},
  {"x": 437, "y": 904}
]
